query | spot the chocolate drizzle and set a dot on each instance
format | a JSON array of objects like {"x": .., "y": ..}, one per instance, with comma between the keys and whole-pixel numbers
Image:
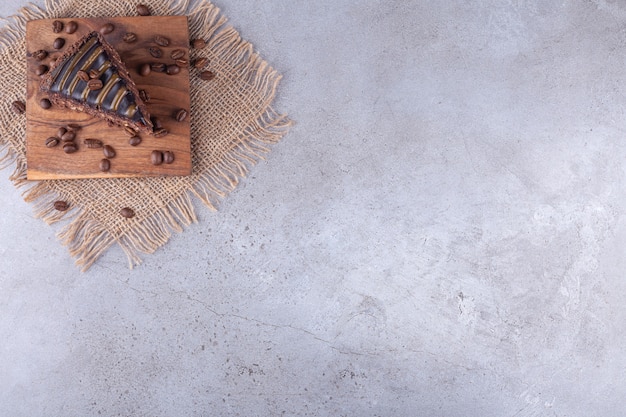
[{"x": 118, "y": 94}]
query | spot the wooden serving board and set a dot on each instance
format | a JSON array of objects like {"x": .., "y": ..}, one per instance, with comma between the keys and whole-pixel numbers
[{"x": 168, "y": 93}]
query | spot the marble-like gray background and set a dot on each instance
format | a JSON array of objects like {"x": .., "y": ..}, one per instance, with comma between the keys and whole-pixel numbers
[{"x": 442, "y": 233}]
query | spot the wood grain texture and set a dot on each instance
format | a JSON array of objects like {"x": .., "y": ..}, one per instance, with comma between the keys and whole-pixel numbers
[{"x": 168, "y": 93}]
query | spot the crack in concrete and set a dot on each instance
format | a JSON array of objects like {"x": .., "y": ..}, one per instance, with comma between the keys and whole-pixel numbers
[{"x": 329, "y": 343}]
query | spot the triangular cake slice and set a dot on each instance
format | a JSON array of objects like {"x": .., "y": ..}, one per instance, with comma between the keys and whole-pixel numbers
[{"x": 117, "y": 100}]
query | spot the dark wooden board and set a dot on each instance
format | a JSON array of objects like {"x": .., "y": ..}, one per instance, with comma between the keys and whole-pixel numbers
[{"x": 168, "y": 93}]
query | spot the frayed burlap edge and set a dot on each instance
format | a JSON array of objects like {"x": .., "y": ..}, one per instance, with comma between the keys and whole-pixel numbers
[{"x": 87, "y": 238}]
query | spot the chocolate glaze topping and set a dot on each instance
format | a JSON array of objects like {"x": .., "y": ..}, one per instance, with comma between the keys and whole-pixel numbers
[{"x": 115, "y": 96}]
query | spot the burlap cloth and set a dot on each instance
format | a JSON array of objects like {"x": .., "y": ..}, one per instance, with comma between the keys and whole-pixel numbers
[{"x": 232, "y": 125}]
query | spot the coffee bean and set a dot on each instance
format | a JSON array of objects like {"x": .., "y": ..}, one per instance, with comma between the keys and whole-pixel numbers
[
  {"x": 73, "y": 127},
  {"x": 156, "y": 157},
  {"x": 156, "y": 122},
  {"x": 177, "y": 54},
  {"x": 155, "y": 51},
  {"x": 51, "y": 142},
  {"x": 40, "y": 54},
  {"x": 129, "y": 37},
  {"x": 144, "y": 96},
  {"x": 93, "y": 143},
  {"x": 45, "y": 104},
  {"x": 94, "y": 73},
  {"x": 144, "y": 70},
  {"x": 168, "y": 157},
  {"x": 41, "y": 69},
  {"x": 158, "y": 67},
  {"x": 105, "y": 165},
  {"x": 181, "y": 115},
  {"x": 61, "y": 205},
  {"x": 207, "y": 75},
  {"x": 71, "y": 27},
  {"x": 58, "y": 43},
  {"x": 159, "y": 133},
  {"x": 107, "y": 28},
  {"x": 161, "y": 40},
  {"x": 198, "y": 43},
  {"x": 134, "y": 141},
  {"x": 57, "y": 26},
  {"x": 94, "y": 84},
  {"x": 127, "y": 212},
  {"x": 172, "y": 69},
  {"x": 200, "y": 62},
  {"x": 182, "y": 63},
  {"x": 61, "y": 132},
  {"x": 82, "y": 75},
  {"x": 130, "y": 131},
  {"x": 69, "y": 147},
  {"x": 68, "y": 136},
  {"x": 19, "y": 107},
  {"x": 108, "y": 151},
  {"x": 143, "y": 10}
]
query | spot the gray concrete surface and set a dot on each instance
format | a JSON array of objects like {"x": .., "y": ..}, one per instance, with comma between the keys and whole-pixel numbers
[{"x": 441, "y": 234}]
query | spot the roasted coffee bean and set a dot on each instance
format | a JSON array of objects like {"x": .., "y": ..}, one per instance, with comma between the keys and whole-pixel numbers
[
  {"x": 68, "y": 136},
  {"x": 93, "y": 143},
  {"x": 172, "y": 69},
  {"x": 159, "y": 133},
  {"x": 41, "y": 69},
  {"x": 45, "y": 104},
  {"x": 200, "y": 62},
  {"x": 73, "y": 127},
  {"x": 198, "y": 43},
  {"x": 129, "y": 37},
  {"x": 61, "y": 132},
  {"x": 181, "y": 115},
  {"x": 168, "y": 157},
  {"x": 61, "y": 205},
  {"x": 94, "y": 73},
  {"x": 145, "y": 70},
  {"x": 156, "y": 157},
  {"x": 105, "y": 165},
  {"x": 177, "y": 54},
  {"x": 51, "y": 142},
  {"x": 127, "y": 212},
  {"x": 156, "y": 122},
  {"x": 158, "y": 67},
  {"x": 107, "y": 28},
  {"x": 82, "y": 75},
  {"x": 207, "y": 75},
  {"x": 19, "y": 107},
  {"x": 40, "y": 54},
  {"x": 161, "y": 40},
  {"x": 69, "y": 147},
  {"x": 58, "y": 43},
  {"x": 130, "y": 131},
  {"x": 57, "y": 26},
  {"x": 182, "y": 63},
  {"x": 94, "y": 84},
  {"x": 155, "y": 51},
  {"x": 108, "y": 151},
  {"x": 134, "y": 141},
  {"x": 144, "y": 96},
  {"x": 71, "y": 27},
  {"x": 143, "y": 10}
]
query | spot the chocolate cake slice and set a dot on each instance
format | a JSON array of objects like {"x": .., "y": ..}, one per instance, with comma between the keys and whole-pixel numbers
[{"x": 73, "y": 82}]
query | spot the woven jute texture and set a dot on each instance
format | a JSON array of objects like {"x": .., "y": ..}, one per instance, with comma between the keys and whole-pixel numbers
[{"x": 233, "y": 124}]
